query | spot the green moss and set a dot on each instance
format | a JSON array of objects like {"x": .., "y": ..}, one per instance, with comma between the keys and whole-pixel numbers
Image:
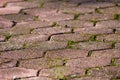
[
  {"x": 93, "y": 38},
  {"x": 76, "y": 16},
  {"x": 70, "y": 43},
  {"x": 7, "y": 36},
  {"x": 113, "y": 62},
  {"x": 41, "y": 5},
  {"x": 113, "y": 44},
  {"x": 31, "y": 30},
  {"x": 97, "y": 10},
  {"x": 54, "y": 24},
  {"x": 24, "y": 46},
  {"x": 78, "y": 4},
  {"x": 87, "y": 72},
  {"x": 72, "y": 30},
  {"x": 116, "y": 16},
  {"x": 94, "y": 22},
  {"x": 89, "y": 53},
  {"x": 36, "y": 18}
]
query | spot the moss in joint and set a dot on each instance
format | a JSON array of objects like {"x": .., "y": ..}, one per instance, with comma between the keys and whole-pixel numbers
[
  {"x": 93, "y": 38},
  {"x": 70, "y": 43},
  {"x": 7, "y": 37},
  {"x": 116, "y": 16},
  {"x": 113, "y": 62},
  {"x": 76, "y": 16},
  {"x": 87, "y": 72},
  {"x": 89, "y": 53}
]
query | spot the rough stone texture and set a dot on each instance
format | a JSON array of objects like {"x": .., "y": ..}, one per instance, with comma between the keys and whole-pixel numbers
[
  {"x": 117, "y": 61},
  {"x": 109, "y": 37},
  {"x": 52, "y": 30},
  {"x": 92, "y": 45},
  {"x": 37, "y": 78},
  {"x": 90, "y": 78},
  {"x": 117, "y": 45},
  {"x": 89, "y": 62},
  {"x": 2, "y": 38},
  {"x": 6, "y": 63},
  {"x": 107, "y": 72},
  {"x": 76, "y": 23},
  {"x": 93, "y": 30},
  {"x": 61, "y": 72},
  {"x": 12, "y": 73},
  {"x": 22, "y": 54},
  {"x": 40, "y": 63},
  {"x": 71, "y": 37},
  {"x": 66, "y": 54}
]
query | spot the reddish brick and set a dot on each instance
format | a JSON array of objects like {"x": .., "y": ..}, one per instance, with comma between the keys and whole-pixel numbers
[
  {"x": 93, "y": 30},
  {"x": 2, "y": 38},
  {"x": 71, "y": 37},
  {"x": 12, "y": 73},
  {"x": 6, "y": 63},
  {"x": 117, "y": 61},
  {"x": 109, "y": 37},
  {"x": 40, "y": 63},
  {"x": 106, "y": 72},
  {"x": 22, "y": 54},
  {"x": 60, "y": 72},
  {"x": 92, "y": 45},
  {"x": 117, "y": 45},
  {"x": 52, "y": 30},
  {"x": 37, "y": 78},
  {"x": 4, "y": 23},
  {"x": 88, "y": 62},
  {"x": 10, "y": 10},
  {"x": 91, "y": 78},
  {"x": 66, "y": 54}
]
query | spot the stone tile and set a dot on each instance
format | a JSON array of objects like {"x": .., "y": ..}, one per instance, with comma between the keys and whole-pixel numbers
[
  {"x": 6, "y": 63},
  {"x": 111, "y": 10},
  {"x": 97, "y": 4},
  {"x": 4, "y": 23},
  {"x": 117, "y": 45},
  {"x": 22, "y": 54},
  {"x": 40, "y": 63},
  {"x": 109, "y": 37},
  {"x": 90, "y": 78},
  {"x": 93, "y": 30},
  {"x": 66, "y": 54},
  {"x": 60, "y": 72},
  {"x": 48, "y": 45},
  {"x": 106, "y": 72},
  {"x": 71, "y": 37},
  {"x": 76, "y": 23},
  {"x": 95, "y": 16},
  {"x": 89, "y": 62},
  {"x": 19, "y": 17},
  {"x": 51, "y": 30},
  {"x": 37, "y": 78},
  {"x": 28, "y": 38},
  {"x": 108, "y": 24},
  {"x": 10, "y": 10},
  {"x": 111, "y": 53},
  {"x": 12, "y": 73},
  {"x": 92, "y": 45}
]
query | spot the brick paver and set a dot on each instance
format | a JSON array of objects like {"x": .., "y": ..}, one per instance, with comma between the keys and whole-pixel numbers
[{"x": 59, "y": 39}]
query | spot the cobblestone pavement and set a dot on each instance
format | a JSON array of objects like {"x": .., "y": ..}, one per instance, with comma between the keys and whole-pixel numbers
[{"x": 59, "y": 39}]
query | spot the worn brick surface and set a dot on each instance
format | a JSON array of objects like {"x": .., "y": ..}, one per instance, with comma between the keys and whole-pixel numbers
[
  {"x": 12, "y": 73},
  {"x": 38, "y": 78},
  {"x": 71, "y": 37},
  {"x": 107, "y": 72},
  {"x": 22, "y": 54},
  {"x": 61, "y": 72},
  {"x": 110, "y": 37},
  {"x": 2, "y": 38},
  {"x": 92, "y": 45},
  {"x": 66, "y": 54},
  {"x": 117, "y": 61},
  {"x": 90, "y": 78},
  {"x": 117, "y": 45},
  {"x": 40, "y": 63}
]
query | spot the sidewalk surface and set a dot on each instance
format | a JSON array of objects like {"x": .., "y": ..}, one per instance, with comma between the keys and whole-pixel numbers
[{"x": 59, "y": 39}]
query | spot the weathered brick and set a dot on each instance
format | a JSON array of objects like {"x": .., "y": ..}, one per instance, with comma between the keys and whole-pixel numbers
[
  {"x": 60, "y": 72},
  {"x": 117, "y": 61},
  {"x": 95, "y": 16},
  {"x": 109, "y": 37},
  {"x": 37, "y": 78},
  {"x": 76, "y": 24},
  {"x": 40, "y": 63},
  {"x": 92, "y": 45},
  {"x": 48, "y": 45},
  {"x": 10, "y": 10},
  {"x": 22, "y": 54},
  {"x": 108, "y": 24},
  {"x": 28, "y": 38},
  {"x": 12, "y": 73},
  {"x": 66, "y": 54},
  {"x": 6, "y": 63},
  {"x": 117, "y": 45},
  {"x": 71, "y": 37},
  {"x": 93, "y": 31},
  {"x": 2, "y": 38},
  {"x": 52, "y": 30},
  {"x": 90, "y": 78},
  {"x": 111, "y": 53},
  {"x": 5, "y": 23},
  {"x": 88, "y": 62},
  {"x": 107, "y": 72}
]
